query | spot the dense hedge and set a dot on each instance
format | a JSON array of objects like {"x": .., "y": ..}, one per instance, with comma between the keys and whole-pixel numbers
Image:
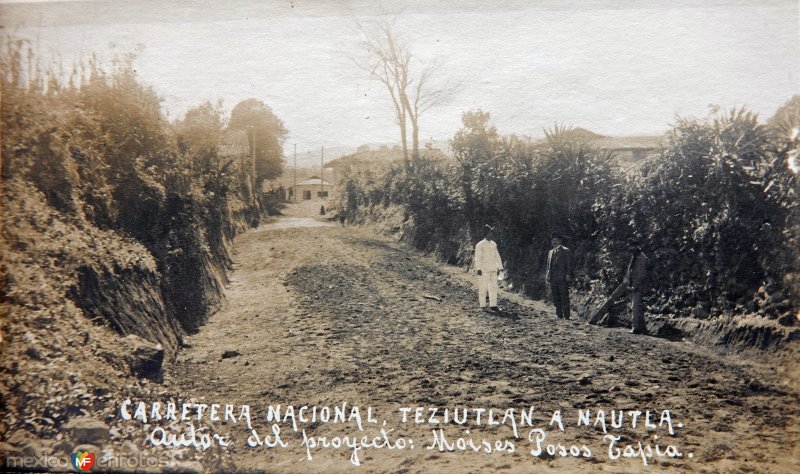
[{"x": 716, "y": 209}]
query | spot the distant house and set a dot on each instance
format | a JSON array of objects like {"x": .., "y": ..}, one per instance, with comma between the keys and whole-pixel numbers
[
  {"x": 629, "y": 151},
  {"x": 365, "y": 155},
  {"x": 313, "y": 189},
  {"x": 382, "y": 156}
]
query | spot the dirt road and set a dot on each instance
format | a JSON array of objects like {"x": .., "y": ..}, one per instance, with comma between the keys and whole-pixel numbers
[{"x": 318, "y": 315}]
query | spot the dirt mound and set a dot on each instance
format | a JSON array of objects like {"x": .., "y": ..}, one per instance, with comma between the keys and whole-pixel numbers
[
  {"x": 732, "y": 332},
  {"x": 50, "y": 258},
  {"x": 739, "y": 332}
]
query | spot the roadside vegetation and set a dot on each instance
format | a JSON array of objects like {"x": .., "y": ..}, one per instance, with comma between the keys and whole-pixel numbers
[
  {"x": 95, "y": 148},
  {"x": 116, "y": 229},
  {"x": 716, "y": 208}
]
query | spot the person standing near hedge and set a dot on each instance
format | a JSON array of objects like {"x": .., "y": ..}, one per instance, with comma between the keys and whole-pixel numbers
[
  {"x": 637, "y": 278},
  {"x": 559, "y": 275},
  {"x": 487, "y": 263}
]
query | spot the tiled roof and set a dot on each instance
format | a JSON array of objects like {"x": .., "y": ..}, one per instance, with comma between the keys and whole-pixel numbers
[{"x": 234, "y": 143}]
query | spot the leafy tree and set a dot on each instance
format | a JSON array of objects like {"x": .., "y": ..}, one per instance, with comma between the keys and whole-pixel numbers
[
  {"x": 265, "y": 132},
  {"x": 787, "y": 116},
  {"x": 475, "y": 146},
  {"x": 782, "y": 178},
  {"x": 130, "y": 117},
  {"x": 201, "y": 128}
]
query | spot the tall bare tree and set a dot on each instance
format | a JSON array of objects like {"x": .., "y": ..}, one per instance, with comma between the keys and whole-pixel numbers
[
  {"x": 422, "y": 97},
  {"x": 387, "y": 58}
]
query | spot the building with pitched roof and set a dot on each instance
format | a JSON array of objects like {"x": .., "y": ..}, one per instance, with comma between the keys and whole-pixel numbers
[
  {"x": 628, "y": 151},
  {"x": 313, "y": 189}
]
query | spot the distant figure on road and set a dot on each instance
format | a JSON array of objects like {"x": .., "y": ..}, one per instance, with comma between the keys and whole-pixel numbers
[
  {"x": 322, "y": 210},
  {"x": 559, "y": 275},
  {"x": 637, "y": 279},
  {"x": 487, "y": 264}
]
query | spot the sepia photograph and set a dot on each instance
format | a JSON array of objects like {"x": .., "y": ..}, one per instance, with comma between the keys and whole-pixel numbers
[{"x": 411, "y": 236}]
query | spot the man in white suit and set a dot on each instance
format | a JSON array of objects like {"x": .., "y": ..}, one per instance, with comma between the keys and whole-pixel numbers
[{"x": 487, "y": 264}]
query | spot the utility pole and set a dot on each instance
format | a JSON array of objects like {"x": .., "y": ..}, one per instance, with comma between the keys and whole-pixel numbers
[
  {"x": 254, "y": 165},
  {"x": 294, "y": 189},
  {"x": 322, "y": 171}
]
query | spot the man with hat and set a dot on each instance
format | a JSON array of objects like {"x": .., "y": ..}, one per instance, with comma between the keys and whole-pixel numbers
[
  {"x": 487, "y": 263},
  {"x": 637, "y": 278},
  {"x": 559, "y": 275}
]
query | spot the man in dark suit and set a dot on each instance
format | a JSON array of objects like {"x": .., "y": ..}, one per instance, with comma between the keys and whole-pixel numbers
[{"x": 559, "y": 276}]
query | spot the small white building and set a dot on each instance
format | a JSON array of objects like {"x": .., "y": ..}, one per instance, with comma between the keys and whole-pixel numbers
[{"x": 313, "y": 189}]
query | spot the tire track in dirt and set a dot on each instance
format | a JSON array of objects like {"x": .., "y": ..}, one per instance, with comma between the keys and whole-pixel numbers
[{"x": 327, "y": 314}]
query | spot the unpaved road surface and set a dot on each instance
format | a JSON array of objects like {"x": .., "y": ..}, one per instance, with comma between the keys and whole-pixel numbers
[{"x": 318, "y": 315}]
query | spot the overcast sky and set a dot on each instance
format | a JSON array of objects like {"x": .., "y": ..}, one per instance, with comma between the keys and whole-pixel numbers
[{"x": 615, "y": 67}]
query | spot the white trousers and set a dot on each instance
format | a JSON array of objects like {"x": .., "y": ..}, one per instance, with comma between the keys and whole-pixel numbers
[{"x": 487, "y": 282}]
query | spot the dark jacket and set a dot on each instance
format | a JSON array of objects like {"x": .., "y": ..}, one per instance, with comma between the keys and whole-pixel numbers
[
  {"x": 638, "y": 275},
  {"x": 559, "y": 265}
]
